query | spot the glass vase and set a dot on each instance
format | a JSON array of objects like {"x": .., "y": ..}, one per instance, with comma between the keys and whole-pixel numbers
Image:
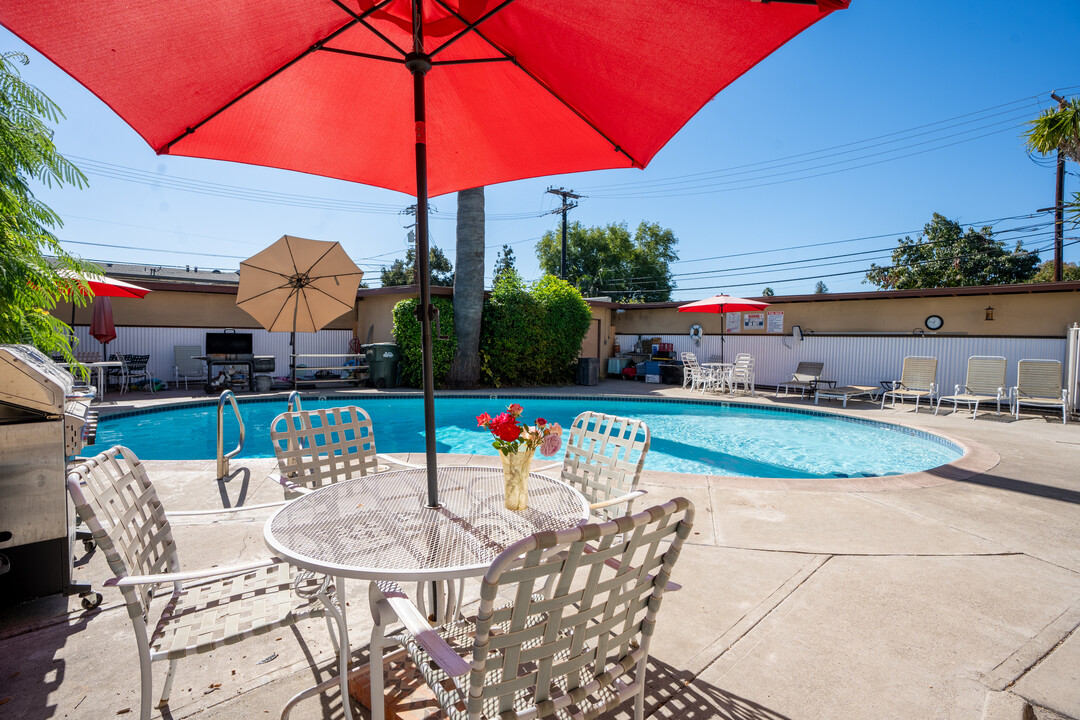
[{"x": 516, "y": 476}]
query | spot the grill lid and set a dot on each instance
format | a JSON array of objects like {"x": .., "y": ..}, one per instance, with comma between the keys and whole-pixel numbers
[{"x": 32, "y": 381}]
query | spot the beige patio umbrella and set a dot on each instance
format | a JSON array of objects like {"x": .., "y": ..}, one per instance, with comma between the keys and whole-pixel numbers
[{"x": 298, "y": 285}]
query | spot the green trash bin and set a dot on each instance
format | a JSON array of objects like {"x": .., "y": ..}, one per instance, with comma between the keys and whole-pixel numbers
[{"x": 382, "y": 361}]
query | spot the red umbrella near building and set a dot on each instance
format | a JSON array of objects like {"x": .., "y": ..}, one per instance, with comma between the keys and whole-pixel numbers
[
  {"x": 362, "y": 89},
  {"x": 723, "y": 304},
  {"x": 102, "y": 328},
  {"x": 102, "y": 286}
]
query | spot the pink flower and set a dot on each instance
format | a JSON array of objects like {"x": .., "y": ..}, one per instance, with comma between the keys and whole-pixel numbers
[
  {"x": 541, "y": 422},
  {"x": 550, "y": 444},
  {"x": 515, "y": 409},
  {"x": 483, "y": 420}
]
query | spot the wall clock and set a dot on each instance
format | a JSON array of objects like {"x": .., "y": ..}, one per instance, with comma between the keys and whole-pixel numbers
[{"x": 934, "y": 322}]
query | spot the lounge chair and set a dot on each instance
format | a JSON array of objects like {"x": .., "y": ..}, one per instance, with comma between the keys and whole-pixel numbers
[
  {"x": 1038, "y": 383},
  {"x": 918, "y": 380},
  {"x": 578, "y": 649},
  {"x": 201, "y": 609},
  {"x": 846, "y": 392},
  {"x": 806, "y": 377},
  {"x": 985, "y": 383}
]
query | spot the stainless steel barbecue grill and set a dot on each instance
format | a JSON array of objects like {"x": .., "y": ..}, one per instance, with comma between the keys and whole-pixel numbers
[{"x": 43, "y": 423}]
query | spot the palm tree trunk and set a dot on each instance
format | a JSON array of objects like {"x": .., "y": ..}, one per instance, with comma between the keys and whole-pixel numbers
[{"x": 468, "y": 289}]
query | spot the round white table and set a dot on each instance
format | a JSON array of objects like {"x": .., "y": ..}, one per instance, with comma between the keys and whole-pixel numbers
[{"x": 379, "y": 528}]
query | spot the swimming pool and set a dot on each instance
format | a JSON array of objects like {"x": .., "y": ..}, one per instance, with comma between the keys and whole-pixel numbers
[{"x": 687, "y": 437}]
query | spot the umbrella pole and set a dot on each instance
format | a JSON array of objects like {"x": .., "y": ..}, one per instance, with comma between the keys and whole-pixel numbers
[{"x": 418, "y": 64}]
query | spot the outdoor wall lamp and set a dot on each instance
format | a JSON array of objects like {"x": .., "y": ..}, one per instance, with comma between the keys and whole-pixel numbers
[{"x": 989, "y": 312}]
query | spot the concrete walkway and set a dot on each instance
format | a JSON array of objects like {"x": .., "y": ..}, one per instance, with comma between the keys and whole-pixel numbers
[{"x": 936, "y": 598}]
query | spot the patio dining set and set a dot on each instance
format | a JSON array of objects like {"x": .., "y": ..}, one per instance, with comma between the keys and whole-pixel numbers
[{"x": 570, "y": 587}]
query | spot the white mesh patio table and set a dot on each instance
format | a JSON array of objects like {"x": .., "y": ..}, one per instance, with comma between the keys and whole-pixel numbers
[{"x": 379, "y": 528}]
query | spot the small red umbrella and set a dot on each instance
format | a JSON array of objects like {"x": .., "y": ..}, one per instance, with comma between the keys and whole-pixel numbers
[
  {"x": 362, "y": 89},
  {"x": 721, "y": 304},
  {"x": 102, "y": 286}
]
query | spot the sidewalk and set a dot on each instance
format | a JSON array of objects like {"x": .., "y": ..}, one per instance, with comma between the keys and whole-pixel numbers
[{"x": 959, "y": 600}]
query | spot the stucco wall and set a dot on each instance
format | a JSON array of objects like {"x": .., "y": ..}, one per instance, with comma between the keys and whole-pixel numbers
[{"x": 1023, "y": 315}]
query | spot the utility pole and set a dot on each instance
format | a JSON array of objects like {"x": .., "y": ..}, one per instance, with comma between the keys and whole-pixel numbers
[
  {"x": 566, "y": 207},
  {"x": 1059, "y": 203}
]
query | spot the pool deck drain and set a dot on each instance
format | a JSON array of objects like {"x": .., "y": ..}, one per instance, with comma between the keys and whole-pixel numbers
[{"x": 955, "y": 599}]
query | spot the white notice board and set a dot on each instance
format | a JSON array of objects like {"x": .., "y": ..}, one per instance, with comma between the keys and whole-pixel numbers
[
  {"x": 775, "y": 321},
  {"x": 732, "y": 322},
  {"x": 754, "y": 321}
]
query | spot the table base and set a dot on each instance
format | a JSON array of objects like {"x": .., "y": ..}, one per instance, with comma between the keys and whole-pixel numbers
[{"x": 407, "y": 696}]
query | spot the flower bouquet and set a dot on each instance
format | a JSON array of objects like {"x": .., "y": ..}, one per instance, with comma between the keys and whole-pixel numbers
[{"x": 516, "y": 444}]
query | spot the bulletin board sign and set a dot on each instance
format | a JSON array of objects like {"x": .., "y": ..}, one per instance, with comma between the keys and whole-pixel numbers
[
  {"x": 754, "y": 321},
  {"x": 774, "y": 321},
  {"x": 732, "y": 322}
]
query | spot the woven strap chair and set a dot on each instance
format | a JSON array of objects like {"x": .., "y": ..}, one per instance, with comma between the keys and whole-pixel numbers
[
  {"x": 603, "y": 461},
  {"x": 918, "y": 380},
  {"x": 806, "y": 377},
  {"x": 136, "y": 371},
  {"x": 204, "y": 609},
  {"x": 985, "y": 382},
  {"x": 1038, "y": 384},
  {"x": 574, "y": 640},
  {"x": 320, "y": 447}
]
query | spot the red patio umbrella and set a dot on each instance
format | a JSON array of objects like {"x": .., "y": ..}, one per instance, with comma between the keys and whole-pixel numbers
[
  {"x": 102, "y": 286},
  {"x": 518, "y": 88},
  {"x": 721, "y": 304},
  {"x": 102, "y": 328}
]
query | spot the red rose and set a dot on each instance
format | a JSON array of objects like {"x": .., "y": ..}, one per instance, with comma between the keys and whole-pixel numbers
[
  {"x": 515, "y": 409},
  {"x": 541, "y": 422},
  {"x": 505, "y": 427},
  {"x": 483, "y": 420}
]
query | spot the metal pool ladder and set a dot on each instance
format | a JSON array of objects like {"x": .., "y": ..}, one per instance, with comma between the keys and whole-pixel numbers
[
  {"x": 223, "y": 457},
  {"x": 294, "y": 401}
]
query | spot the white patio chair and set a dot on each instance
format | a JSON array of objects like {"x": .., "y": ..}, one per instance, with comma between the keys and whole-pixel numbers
[
  {"x": 918, "y": 380},
  {"x": 806, "y": 377},
  {"x": 985, "y": 382},
  {"x": 693, "y": 373},
  {"x": 185, "y": 366},
  {"x": 319, "y": 447},
  {"x": 603, "y": 461},
  {"x": 1038, "y": 384},
  {"x": 577, "y": 648},
  {"x": 204, "y": 609},
  {"x": 742, "y": 372}
]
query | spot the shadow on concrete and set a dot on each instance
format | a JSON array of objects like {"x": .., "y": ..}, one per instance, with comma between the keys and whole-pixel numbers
[
  {"x": 674, "y": 693},
  {"x": 241, "y": 491},
  {"x": 1023, "y": 486}
]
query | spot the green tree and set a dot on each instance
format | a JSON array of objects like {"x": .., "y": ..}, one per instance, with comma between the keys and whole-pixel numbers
[
  {"x": 607, "y": 261},
  {"x": 32, "y": 283},
  {"x": 821, "y": 288},
  {"x": 1058, "y": 129},
  {"x": 767, "y": 292},
  {"x": 945, "y": 255},
  {"x": 1069, "y": 271},
  {"x": 504, "y": 262},
  {"x": 403, "y": 272},
  {"x": 513, "y": 328},
  {"x": 468, "y": 288},
  {"x": 407, "y": 336}
]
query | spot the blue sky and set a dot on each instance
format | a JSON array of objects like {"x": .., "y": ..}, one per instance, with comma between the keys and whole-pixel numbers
[{"x": 847, "y": 138}]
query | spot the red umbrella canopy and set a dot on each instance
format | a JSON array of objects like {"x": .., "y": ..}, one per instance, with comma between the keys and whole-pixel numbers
[
  {"x": 103, "y": 286},
  {"x": 723, "y": 304},
  {"x": 516, "y": 89}
]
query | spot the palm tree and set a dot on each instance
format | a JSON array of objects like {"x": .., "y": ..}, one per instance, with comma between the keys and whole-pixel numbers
[
  {"x": 1059, "y": 129},
  {"x": 468, "y": 289}
]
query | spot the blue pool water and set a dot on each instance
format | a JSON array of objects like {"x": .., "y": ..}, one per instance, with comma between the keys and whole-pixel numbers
[{"x": 728, "y": 439}]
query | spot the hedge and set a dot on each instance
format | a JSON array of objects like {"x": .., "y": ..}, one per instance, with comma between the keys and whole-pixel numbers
[{"x": 407, "y": 335}]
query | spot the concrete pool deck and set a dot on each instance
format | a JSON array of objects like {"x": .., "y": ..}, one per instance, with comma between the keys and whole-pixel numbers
[{"x": 952, "y": 598}]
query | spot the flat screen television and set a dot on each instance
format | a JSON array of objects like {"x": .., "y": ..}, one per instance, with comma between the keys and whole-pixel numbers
[{"x": 228, "y": 343}]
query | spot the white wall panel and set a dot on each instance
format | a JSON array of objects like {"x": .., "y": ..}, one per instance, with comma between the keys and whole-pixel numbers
[
  {"x": 158, "y": 342},
  {"x": 863, "y": 360}
]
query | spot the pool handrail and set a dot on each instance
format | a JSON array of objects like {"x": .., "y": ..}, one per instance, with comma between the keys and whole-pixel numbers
[
  {"x": 294, "y": 395},
  {"x": 223, "y": 457}
]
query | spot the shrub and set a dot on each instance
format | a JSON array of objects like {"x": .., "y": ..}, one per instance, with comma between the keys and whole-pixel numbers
[
  {"x": 407, "y": 335},
  {"x": 531, "y": 336},
  {"x": 567, "y": 321}
]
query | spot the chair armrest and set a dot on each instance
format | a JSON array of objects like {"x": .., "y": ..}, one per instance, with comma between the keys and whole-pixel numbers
[
  {"x": 391, "y": 459},
  {"x": 617, "y": 500},
  {"x": 223, "y": 511},
  {"x": 132, "y": 580},
  {"x": 292, "y": 487},
  {"x": 418, "y": 626}
]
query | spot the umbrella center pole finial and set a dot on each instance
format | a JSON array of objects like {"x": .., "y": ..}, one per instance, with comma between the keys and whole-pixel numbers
[{"x": 299, "y": 280}]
